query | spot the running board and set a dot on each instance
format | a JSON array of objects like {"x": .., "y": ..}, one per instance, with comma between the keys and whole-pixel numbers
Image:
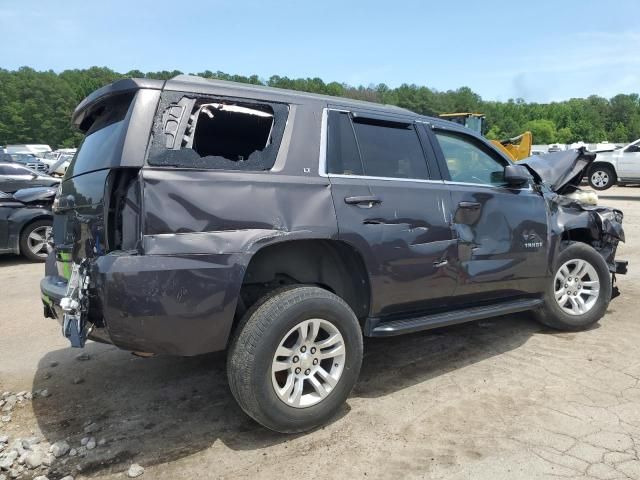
[{"x": 375, "y": 327}]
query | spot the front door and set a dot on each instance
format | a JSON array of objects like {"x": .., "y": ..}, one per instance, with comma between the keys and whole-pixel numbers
[
  {"x": 629, "y": 162},
  {"x": 391, "y": 209},
  {"x": 501, "y": 231}
]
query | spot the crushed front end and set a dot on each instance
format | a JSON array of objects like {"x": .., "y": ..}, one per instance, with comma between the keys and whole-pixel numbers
[
  {"x": 599, "y": 226},
  {"x": 573, "y": 213}
]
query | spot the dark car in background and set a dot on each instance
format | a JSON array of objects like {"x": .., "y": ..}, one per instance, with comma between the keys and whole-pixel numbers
[
  {"x": 199, "y": 216},
  {"x": 25, "y": 222},
  {"x": 14, "y": 177}
]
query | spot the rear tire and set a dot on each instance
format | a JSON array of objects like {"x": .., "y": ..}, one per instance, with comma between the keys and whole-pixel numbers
[
  {"x": 602, "y": 177},
  {"x": 579, "y": 290},
  {"x": 33, "y": 240},
  {"x": 295, "y": 358}
]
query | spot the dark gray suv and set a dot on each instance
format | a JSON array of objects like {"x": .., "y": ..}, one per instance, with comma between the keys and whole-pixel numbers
[{"x": 281, "y": 226}]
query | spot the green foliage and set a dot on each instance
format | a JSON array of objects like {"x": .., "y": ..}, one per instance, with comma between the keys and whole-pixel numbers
[
  {"x": 564, "y": 135},
  {"x": 543, "y": 131},
  {"x": 494, "y": 133},
  {"x": 36, "y": 107}
]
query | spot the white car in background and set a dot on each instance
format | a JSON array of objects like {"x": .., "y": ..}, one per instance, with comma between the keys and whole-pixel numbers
[
  {"x": 616, "y": 167},
  {"x": 58, "y": 161}
]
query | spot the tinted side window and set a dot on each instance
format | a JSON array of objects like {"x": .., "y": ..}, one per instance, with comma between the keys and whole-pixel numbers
[
  {"x": 390, "y": 150},
  {"x": 342, "y": 151},
  {"x": 469, "y": 163}
]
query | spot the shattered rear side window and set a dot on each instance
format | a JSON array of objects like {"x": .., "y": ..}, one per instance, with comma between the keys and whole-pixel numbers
[{"x": 217, "y": 133}]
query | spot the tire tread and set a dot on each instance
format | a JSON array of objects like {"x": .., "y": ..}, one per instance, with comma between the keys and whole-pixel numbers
[{"x": 251, "y": 329}]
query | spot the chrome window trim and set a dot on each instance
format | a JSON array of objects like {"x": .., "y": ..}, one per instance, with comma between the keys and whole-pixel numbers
[
  {"x": 486, "y": 185},
  {"x": 322, "y": 161},
  {"x": 397, "y": 179}
]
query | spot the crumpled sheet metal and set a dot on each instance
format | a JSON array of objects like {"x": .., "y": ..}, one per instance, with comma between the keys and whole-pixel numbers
[
  {"x": 230, "y": 241},
  {"x": 226, "y": 212},
  {"x": 559, "y": 169}
]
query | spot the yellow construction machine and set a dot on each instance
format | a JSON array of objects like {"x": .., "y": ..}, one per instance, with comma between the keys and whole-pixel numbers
[{"x": 516, "y": 148}]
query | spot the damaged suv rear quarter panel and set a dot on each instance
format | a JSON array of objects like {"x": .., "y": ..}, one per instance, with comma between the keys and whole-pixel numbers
[{"x": 201, "y": 228}]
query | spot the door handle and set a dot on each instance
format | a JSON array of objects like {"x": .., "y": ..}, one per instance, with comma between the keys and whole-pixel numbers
[
  {"x": 366, "y": 201},
  {"x": 469, "y": 205}
]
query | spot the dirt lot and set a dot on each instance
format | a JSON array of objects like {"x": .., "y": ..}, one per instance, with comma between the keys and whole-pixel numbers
[{"x": 503, "y": 398}]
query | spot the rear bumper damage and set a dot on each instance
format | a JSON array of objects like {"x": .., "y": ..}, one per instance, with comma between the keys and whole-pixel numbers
[{"x": 179, "y": 305}]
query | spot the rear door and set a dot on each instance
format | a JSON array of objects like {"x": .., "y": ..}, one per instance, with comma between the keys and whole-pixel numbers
[
  {"x": 501, "y": 231},
  {"x": 392, "y": 207}
]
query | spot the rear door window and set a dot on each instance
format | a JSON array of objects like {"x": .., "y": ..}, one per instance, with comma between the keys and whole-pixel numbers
[
  {"x": 343, "y": 157},
  {"x": 390, "y": 150},
  {"x": 374, "y": 148},
  {"x": 216, "y": 133}
]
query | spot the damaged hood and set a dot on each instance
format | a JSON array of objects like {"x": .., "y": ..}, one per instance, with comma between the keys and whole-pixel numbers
[
  {"x": 560, "y": 170},
  {"x": 35, "y": 194}
]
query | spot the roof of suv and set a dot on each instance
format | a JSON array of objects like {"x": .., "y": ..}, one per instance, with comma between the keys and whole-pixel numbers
[
  {"x": 206, "y": 85},
  {"x": 195, "y": 84},
  {"x": 200, "y": 85}
]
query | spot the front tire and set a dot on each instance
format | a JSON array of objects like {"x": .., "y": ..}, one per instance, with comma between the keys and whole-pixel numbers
[
  {"x": 33, "y": 240},
  {"x": 602, "y": 177},
  {"x": 295, "y": 358},
  {"x": 579, "y": 290}
]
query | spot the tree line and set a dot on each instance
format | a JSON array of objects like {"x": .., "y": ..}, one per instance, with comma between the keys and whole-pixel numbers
[{"x": 36, "y": 106}]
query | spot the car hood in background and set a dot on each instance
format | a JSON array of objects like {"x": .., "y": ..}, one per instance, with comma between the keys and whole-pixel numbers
[
  {"x": 28, "y": 195},
  {"x": 562, "y": 169}
]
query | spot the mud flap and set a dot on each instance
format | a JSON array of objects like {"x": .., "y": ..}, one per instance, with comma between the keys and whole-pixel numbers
[
  {"x": 621, "y": 268},
  {"x": 615, "y": 291}
]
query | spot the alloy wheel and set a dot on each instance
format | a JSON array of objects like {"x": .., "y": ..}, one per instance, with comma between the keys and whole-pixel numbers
[
  {"x": 576, "y": 287},
  {"x": 308, "y": 363},
  {"x": 37, "y": 241},
  {"x": 600, "y": 178}
]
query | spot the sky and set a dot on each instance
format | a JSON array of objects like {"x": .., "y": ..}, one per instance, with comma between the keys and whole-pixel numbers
[{"x": 540, "y": 51}]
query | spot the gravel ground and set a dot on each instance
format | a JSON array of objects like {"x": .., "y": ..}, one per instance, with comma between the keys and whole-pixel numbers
[{"x": 501, "y": 398}]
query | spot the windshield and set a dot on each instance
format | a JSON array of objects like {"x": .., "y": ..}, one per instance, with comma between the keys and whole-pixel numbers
[{"x": 102, "y": 145}]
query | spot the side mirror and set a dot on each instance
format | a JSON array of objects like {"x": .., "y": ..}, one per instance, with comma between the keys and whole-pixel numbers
[{"x": 516, "y": 175}]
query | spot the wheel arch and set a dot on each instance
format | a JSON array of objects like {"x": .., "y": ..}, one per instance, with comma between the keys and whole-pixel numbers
[
  {"x": 21, "y": 224},
  {"x": 331, "y": 264},
  {"x": 601, "y": 164},
  {"x": 582, "y": 234}
]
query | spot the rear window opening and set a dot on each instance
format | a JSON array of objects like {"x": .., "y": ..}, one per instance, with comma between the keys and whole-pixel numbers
[
  {"x": 222, "y": 134},
  {"x": 231, "y": 131}
]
